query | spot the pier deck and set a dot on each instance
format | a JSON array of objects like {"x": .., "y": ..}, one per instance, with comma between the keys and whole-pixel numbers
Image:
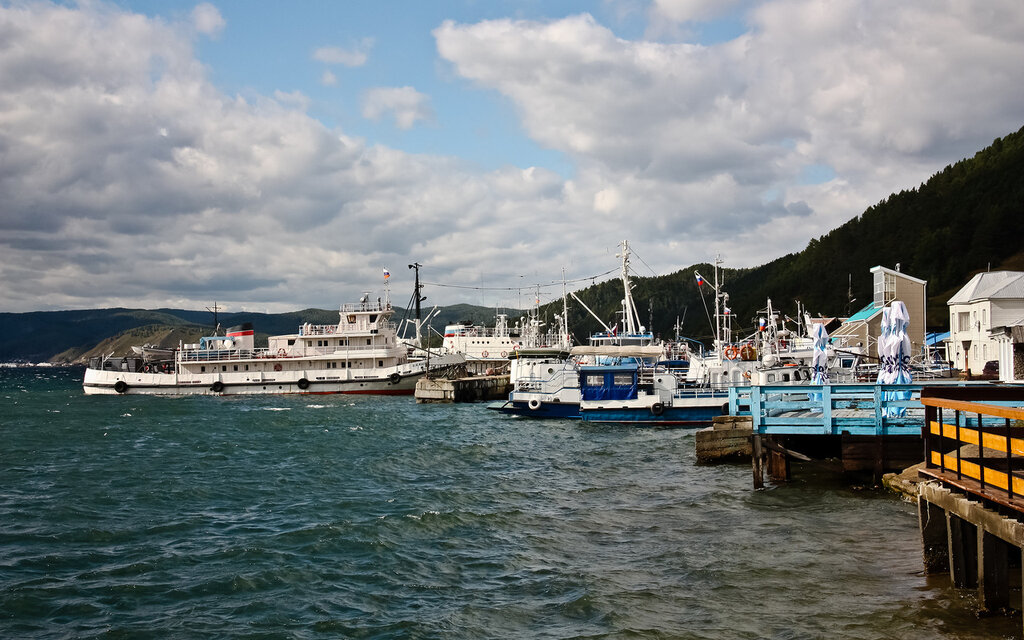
[{"x": 971, "y": 506}]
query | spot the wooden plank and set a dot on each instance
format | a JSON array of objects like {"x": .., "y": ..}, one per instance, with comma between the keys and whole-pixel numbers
[
  {"x": 969, "y": 435},
  {"x": 1013, "y": 413},
  {"x": 971, "y": 486},
  {"x": 972, "y": 470}
]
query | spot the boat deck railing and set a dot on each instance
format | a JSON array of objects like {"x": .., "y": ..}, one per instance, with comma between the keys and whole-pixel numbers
[{"x": 223, "y": 355}]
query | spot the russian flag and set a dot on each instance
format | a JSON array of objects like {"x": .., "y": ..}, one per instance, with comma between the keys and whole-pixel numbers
[
  {"x": 387, "y": 274},
  {"x": 727, "y": 310},
  {"x": 700, "y": 280},
  {"x": 761, "y": 324}
]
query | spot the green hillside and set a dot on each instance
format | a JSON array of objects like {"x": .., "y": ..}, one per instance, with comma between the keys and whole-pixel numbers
[{"x": 967, "y": 218}]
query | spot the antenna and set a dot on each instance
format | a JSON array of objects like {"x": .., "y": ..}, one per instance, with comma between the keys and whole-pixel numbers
[{"x": 216, "y": 324}]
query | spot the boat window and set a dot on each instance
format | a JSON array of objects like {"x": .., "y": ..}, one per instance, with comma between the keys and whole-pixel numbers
[
  {"x": 771, "y": 377},
  {"x": 236, "y": 367},
  {"x": 380, "y": 363},
  {"x": 621, "y": 379},
  {"x": 352, "y": 319},
  {"x": 369, "y": 341},
  {"x": 246, "y": 367},
  {"x": 223, "y": 367},
  {"x": 202, "y": 369},
  {"x": 291, "y": 342},
  {"x": 594, "y": 380},
  {"x": 373, "y": 318}
]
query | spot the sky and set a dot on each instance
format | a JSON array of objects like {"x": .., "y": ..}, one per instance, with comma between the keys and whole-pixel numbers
[{"x": 275, "y": 156}]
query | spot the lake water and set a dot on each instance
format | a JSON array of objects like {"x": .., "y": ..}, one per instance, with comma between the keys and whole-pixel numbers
[{"x": 375, "y": 517}]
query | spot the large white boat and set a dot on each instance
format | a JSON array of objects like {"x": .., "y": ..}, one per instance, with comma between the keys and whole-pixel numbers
[
  {"x": 359, "y": 354},
  {"x": 498, "y": 343}
]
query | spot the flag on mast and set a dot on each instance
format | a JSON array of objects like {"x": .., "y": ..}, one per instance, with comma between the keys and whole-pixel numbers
[
  {"x": 387, "y": 274},
  {"x": 700, "y": 280}
]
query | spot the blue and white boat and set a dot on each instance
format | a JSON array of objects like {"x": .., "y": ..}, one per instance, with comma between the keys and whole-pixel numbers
[
  {"x": 630, "y": 393},
  {"x": 546, "y": 382}
]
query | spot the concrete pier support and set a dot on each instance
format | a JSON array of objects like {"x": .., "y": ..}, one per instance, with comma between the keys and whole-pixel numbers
[
  {"x": 469, "y": 389},
  {"x": 982, "y": 546}
]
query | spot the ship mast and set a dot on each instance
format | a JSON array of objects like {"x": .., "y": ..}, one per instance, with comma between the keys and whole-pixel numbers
[{"x": 417, "y": 299}]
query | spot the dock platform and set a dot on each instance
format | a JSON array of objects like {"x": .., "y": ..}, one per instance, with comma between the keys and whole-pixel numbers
[
  {"x": 971, "y": 503},
  {"x": 465, "y": 389}
]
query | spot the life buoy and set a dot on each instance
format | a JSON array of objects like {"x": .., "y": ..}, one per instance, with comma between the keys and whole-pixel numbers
[
  {"x": 281, "y": 352},
  {"x": 504, "y": 354},
  {"x": 746, "y": 374},
  {"x": 217, "y": 386},
  {"x": 120, "y": 386},
  {"x": 657, "y": 408},
  {"x": 395, "y": 378},
  {"x": 484, "y": 354},
  {"x": 146, "y": 368},
  {"x": 330, "y": 329},
  {"x": 303, "y": 383},
  {"x": 534, "y": 404},
  {"x": 277, "y": 366},
  {"x": 732, "y": 352}
]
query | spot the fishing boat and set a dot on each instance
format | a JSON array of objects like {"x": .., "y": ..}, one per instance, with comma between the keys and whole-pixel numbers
[
  {"x": 359, "y": 354},
  {"x": 546, "y": 381}
]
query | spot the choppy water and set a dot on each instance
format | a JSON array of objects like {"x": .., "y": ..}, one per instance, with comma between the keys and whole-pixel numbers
[{"x": 366, "y": 517}]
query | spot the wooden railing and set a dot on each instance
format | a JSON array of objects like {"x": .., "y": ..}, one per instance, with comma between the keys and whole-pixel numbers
[
  {"x": 855, "y": 409},
  {"x": 990, "y": 419}
]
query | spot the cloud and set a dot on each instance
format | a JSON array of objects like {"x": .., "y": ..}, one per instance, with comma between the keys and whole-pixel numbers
[
  {"x": 691, "y": 10},
  {"x": 328, "y": 79},
  {"x": 695, "y": 137},
  {"x": 207, "y": 20},
  {"x": 404, "y": 103},
  {"x": 128, "y": 178},
  {"x": 354, "y": 57}
]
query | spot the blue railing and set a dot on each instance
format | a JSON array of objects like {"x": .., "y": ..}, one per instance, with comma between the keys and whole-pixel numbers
[{"x": 855, "y": 409}]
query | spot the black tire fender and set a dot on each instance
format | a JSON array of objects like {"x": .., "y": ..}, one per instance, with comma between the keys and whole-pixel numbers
[
  {"x": 303, "y": 383},
  {"x": 120, "y": 386},
  {"x": 217, "y": 386}
]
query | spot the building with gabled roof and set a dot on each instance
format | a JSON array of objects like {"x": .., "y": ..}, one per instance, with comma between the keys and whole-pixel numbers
[
  {"x": 864, "y": 327},
  {"x": 986, "y": 323}
]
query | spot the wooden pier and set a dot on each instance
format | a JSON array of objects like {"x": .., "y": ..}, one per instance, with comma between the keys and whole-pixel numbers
[
  {"x": 971, "y": 506},
  {"x": 870, "y": 428}
]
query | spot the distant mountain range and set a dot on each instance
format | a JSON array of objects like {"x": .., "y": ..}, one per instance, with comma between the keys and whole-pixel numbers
[{"x": 967, "y": 218}]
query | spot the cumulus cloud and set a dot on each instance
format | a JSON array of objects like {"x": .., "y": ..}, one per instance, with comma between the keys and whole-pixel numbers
[
  {"x": 207, "y": 20},
  {"x": 130, "y": 179},
  {"x": 405, "y": 104},
  {"x": 713, "y": 139},
  {"x": 353, "y": 57}
]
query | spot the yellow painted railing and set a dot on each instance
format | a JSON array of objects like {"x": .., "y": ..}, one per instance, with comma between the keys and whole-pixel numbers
[{"x": 997, "y": 429}]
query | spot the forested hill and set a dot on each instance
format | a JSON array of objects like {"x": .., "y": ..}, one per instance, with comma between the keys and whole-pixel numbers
[{"x": 967, "y": 218}]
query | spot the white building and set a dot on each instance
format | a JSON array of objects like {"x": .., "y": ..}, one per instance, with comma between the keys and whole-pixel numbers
[{"x": 986, "y": 323}]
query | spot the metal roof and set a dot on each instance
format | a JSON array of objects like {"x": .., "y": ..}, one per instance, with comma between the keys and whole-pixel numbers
[{"x": 991, "y": 285}]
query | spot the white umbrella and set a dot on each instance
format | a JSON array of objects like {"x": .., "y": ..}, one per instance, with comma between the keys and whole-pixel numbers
[
  {"x": 820, "y": 358},
  {"x": 900, "y": 347},
  {"x": 899, "y": 355},
  {"x": 884, "y": 361}
]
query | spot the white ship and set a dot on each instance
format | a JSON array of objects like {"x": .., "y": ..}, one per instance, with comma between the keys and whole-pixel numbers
[
  {"x": 500, "y": 342},
  {"x": 359, "y": 354}
]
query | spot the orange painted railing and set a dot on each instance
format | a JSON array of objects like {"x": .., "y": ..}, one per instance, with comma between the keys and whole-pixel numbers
[{"x": 991, "y": 419}]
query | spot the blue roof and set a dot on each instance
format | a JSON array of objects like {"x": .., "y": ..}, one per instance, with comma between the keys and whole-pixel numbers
[
  {"x": 865, "y": 313},
  {"x": 933, "y": 339}
]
